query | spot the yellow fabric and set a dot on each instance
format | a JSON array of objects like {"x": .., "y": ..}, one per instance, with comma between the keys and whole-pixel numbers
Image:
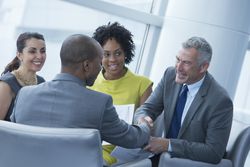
[
  {"x": 106, "y": 151},
  {"x": 126, "y": 90}
]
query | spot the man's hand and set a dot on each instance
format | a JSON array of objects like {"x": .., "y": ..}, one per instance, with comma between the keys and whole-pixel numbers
[
  {"x": 146, "y": 120},
  {"x": 157, "y": 145}
]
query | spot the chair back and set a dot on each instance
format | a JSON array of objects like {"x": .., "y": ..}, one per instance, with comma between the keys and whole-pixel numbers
[
  {"x": 33, "y": 146},
  {"x": 240, "y": 149}
]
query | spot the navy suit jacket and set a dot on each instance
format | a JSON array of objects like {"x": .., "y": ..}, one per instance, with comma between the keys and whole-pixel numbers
[{"x": 66, "y": 102}]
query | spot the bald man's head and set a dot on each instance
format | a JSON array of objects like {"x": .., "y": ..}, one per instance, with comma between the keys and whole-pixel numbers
[
  {"x": 81, "y": 56},
  {"x": 77, "y": 48}
]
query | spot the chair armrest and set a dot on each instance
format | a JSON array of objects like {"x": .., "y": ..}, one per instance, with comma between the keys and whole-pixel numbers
[
  {"x": 167, "y": 161},
  {"x": 140, "y": 163}
]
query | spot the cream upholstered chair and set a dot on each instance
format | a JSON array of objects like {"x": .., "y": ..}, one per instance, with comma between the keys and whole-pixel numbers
[
  {"x": 33, "y": 146},
  {"x": 139, "y": 163}
]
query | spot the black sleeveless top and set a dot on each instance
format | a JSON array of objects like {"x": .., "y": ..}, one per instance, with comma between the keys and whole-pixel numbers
[{"x": 11, "y": 80}]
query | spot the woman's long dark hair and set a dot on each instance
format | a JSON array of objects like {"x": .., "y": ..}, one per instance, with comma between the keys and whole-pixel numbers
[{"x": 21, "y": 44}]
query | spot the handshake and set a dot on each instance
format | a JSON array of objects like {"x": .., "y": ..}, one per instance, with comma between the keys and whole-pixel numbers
[
  {"x": 146, "y": 120},
  {"x": 155, "y": 145}
]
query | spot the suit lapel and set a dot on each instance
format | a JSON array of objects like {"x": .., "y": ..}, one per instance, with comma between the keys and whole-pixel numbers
[
  {"x": 198, "y": 100},
  {"x": 169, "y": 112}
]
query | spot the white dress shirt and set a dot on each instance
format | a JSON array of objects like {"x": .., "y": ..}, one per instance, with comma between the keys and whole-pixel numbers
[{"x": 192, "y": 91}]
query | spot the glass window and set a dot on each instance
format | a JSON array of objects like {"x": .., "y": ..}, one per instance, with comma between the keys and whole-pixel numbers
[
  {"x": 242, "y": 96},
  {"x": 141, "y": 5},
  {"x": 50, "y": 19}
]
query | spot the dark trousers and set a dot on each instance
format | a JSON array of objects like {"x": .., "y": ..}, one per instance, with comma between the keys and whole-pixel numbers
[{"x": 155, "y": 160}]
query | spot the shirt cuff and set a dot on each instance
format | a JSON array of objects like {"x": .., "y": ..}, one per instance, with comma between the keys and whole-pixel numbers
[{"x": 169, "y": 146}]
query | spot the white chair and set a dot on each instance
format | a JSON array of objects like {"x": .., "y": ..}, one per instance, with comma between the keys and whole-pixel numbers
[
  {"x": 139, "y": 163},
  {"x": 33, "y": 146}
]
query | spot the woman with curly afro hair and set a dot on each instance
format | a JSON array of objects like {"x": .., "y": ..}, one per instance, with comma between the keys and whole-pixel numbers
[{"x": 116, "y": 79}]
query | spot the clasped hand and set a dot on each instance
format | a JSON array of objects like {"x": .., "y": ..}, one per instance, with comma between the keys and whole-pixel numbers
[
  {"x": 157, "y": 145},
  {"x": 146, "y": 120}
]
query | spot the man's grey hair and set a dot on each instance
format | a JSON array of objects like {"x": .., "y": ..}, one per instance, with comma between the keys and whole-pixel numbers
[{"x": 202, "y": 46}]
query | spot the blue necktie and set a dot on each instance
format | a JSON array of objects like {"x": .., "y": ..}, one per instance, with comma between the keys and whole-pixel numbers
[{"x": 176, "y": 120}]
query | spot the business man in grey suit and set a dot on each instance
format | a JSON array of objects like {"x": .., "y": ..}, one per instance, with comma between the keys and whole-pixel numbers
[
  {"x": 206, "y": 119},
  {"x": 66, "y": 102}
]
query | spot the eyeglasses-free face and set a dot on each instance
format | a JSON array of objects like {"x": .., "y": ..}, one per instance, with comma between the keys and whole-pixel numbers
[{"x": 113, "y": 60}]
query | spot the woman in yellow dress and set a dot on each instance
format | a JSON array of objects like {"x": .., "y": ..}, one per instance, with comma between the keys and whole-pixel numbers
[{"x": 116, "y": 79}]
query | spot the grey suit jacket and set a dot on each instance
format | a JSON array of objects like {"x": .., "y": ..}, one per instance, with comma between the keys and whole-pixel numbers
[
  {"x": 205, "y": 130},
  {"x": 66, "y": 102}
]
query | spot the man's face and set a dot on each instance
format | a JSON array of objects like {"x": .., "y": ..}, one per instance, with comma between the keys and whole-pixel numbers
[{"x": 187, "y": 68}]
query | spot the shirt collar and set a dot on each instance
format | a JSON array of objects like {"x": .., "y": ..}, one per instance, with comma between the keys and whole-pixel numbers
[
  {"x": 193, "y": 88},
  {"x": 69, "y": 77}
]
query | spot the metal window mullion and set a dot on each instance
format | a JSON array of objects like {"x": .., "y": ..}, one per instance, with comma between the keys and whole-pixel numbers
[{"x": 121, "y": 11}]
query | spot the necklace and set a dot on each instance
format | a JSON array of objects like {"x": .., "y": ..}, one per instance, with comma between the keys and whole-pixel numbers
[{"x": 23, "y": 80}]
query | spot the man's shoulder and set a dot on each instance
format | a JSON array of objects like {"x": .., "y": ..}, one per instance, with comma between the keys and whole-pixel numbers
[
  {"x": 33, "y": 88},
  {"x": 169, "y": 75},
  {"x": 214, "y": 88},
  {"x": 97, "y": 94},
  {"x": 170, "y": 71}
]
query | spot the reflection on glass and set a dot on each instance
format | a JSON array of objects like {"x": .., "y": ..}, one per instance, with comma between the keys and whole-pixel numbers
[
  {"x": 141, "y": 5},
  {"x": 242, "y": 97},
  {"x": 50, "y": 19}
]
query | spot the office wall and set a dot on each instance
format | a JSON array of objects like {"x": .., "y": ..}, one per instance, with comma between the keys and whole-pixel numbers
[{"x": 226, "y": 27}]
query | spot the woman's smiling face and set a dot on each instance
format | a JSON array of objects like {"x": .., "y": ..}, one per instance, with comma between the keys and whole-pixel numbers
[{"x": 113, "y": 59}]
